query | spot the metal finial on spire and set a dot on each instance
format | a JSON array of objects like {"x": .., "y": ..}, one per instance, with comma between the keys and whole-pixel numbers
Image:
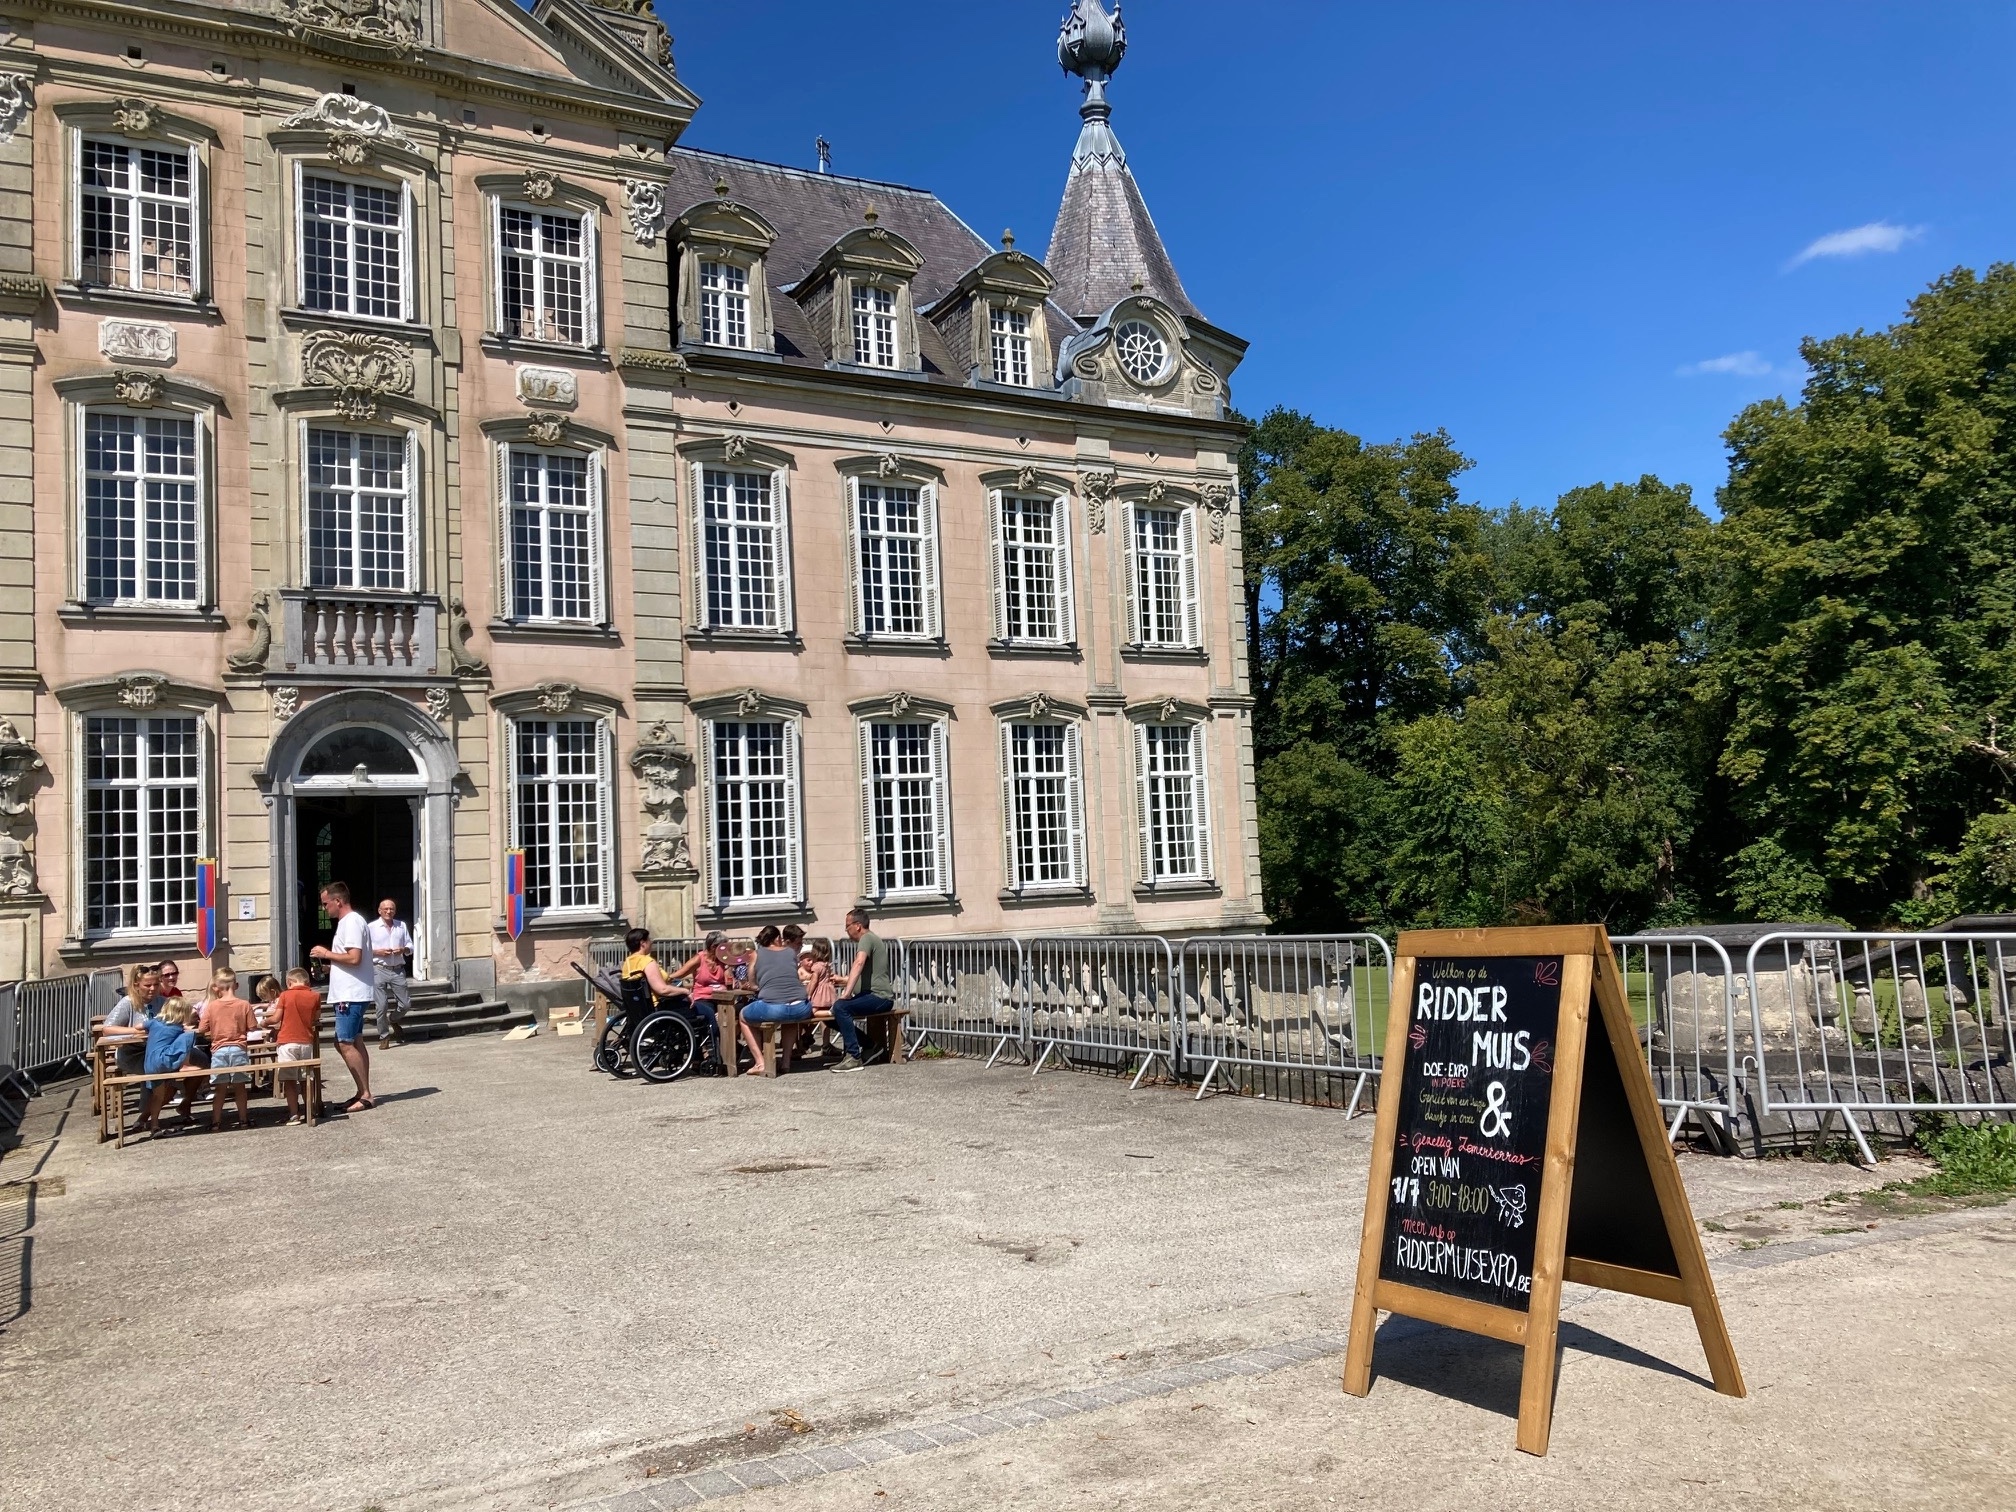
[
  {"x": 825, "y": 150},
  {"x": 1008, "y": 240},
  {"x": 1091, "y": 43}
]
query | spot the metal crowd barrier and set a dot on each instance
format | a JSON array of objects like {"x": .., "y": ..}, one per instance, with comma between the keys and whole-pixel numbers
[
  {"x": 965, "y": 995},
  {"x": 1104, "y": 997},
  {"x": 1293, "y": 1008},
  {"x": 53, "y": 1018},
  {"x": 1682, "y": 991},
  {"x": 1876, "y": 1023}
]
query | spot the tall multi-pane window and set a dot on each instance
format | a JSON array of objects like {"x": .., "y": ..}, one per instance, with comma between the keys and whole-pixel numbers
[
  {"x": 1010, "y": 332},
  {"x": 1174, "y": 802},
  {"x": 1032, "y": 570},
  {"x": 744, "y": 555},
  {"x": 560, "y": 811},
  {"x": 1162, "y": 577},
  {"x": 874, "y": 326},
  {"x": 143, "y": 822},
  {"x": 544, "y": 277},
  {"x": 141, "y": 509},
  {"x": 905, "y": 829},
  {"x": 553, "y": 527},
  {"x": 353, "y": 247},
  {"x": 359, "y": 510},
  {"x": 136, "y": 217},
  {"x": 896, "y": 559},
  {"x": 753, "y": 855},
  {"x": 1042, "y": 801},
  {"x": 724, "y": 304}
]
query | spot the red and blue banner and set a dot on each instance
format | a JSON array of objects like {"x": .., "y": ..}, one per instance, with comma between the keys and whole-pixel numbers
[
  {"x": 514, "y": 893},
  {"x": 206, "y": 907}
]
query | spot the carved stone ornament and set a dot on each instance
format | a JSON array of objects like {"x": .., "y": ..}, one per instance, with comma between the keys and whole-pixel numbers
[
  {"x": 899, "y": 704},
  {"x": 1086, "y": 366},
  {"x": 1156, "y": 490},
  {"x": 391, "y": 24},
  {"x": 1218, "y": 504},
  {"x": 19, "y": 762},
  {"x": 1169, "y": 708},
  {"x": 650, "y": 360},
  {"x": 362, "y": 368},
  {"x": 546, "y": 430},
  {"x": 736, "y": 447},
  {"x": 538, "y": 185},
  {"x": 459, "y": 631},
  {"x": 544, "y": 385},
  {"x": 555, "y": 697},
  {"x": 134, "y": 117},
  {"x": 349, "y": 149},
  {"x": 136, "y": 341},
  {"x": 644, "y": 208},
  {"x": 1096, "y": 484},
  {"x": 138, "y": 389},
  {"x": 347, "y": 116},
  {"x": 659, "y": 765},
  {"x": 440, "y": 706},
  {"x": 748, "y": 703},
  {"x": 141, "y": 690},
  {"x": 1039, "y": 706},
  {"x": 286, "y": 703},
  {"x": 17, "y": 98},
  {"x": 888, "y": 465},
  {"x": 260, "y": 623},
  {"x": 1026, "y": 479}
]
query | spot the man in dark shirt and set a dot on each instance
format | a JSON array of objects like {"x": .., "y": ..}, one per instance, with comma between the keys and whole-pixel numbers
[{"x": 870, "y": 988}]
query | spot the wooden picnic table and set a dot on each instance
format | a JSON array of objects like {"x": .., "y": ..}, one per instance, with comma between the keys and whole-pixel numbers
[{"x": 112, "y": 1111}]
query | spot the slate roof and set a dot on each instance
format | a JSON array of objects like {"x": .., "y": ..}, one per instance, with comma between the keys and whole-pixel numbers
[{"x": 1105, "y": 240}]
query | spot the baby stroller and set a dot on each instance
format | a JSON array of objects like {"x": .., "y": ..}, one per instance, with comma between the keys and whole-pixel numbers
[{"x": 655, "y": 1038}]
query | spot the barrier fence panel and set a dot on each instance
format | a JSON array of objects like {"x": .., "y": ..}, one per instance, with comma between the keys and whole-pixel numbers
[
  {"x": 1294, "y": 1016},
  {"x": 1877, "y": 1023},
  {"x": 1103, "y": 997},
  {"x": 965, "y": 996},
  {"x": 10, "y": 1032},
  {"x": 1682, "y": 992},
  {"x": 54, "y": 1020}
]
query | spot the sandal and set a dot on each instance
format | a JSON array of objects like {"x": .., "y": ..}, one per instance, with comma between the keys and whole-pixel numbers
[{"x": 360, "y": 1105}]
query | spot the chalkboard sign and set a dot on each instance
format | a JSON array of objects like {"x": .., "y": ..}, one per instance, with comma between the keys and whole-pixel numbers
[
  {"x": 1520, "y": 1146},
  {"x": 1464, "y": 1197}
]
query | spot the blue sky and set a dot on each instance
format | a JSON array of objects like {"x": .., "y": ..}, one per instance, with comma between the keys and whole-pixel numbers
[{"x": 1577, "y": 236}]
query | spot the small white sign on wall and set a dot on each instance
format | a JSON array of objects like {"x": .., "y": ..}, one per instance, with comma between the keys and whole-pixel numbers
[{"x": 248, "y": 908}]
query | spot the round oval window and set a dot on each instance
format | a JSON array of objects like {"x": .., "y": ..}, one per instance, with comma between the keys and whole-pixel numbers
[{"x": 1143, "y": 355}]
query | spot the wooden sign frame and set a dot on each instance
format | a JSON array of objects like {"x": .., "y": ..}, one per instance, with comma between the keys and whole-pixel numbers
[{"x": 1589, "y": 976}]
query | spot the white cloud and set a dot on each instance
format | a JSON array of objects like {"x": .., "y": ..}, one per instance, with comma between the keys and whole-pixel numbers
[
  {"x": 1877, "y": 236},
  {"x": 1735, "y": 364}
]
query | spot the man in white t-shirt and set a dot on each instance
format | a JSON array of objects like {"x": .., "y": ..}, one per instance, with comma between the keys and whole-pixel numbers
[
  {"x": 391, "y": 957},
  {"x": 350, "y": 978}
]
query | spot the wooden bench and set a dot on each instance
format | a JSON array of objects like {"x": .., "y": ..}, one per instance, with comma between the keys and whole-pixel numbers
[
  {"x": 112, "y": 1114},
  {"x": 885, "y": 1031}
]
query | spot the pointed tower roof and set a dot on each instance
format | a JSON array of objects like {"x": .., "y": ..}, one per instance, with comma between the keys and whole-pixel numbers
[{"x": 1105, "y": 246}]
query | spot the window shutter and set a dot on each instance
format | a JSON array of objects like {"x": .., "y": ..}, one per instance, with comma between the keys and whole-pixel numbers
[
  {"x": 1141, "y": 804},
  {"x": 710, "y": 887},
  {"x": 507, "y": 565},
  {"x": 414, "y": 576},
  {"x": 1193, "y": 629},
  {"x": 780, "y": 507},
  {"x": 300, "y": 503},
  {"x": 198, "y": 223},
  {"x": 408, "y": 254},
  {"x": 1067, "y": 608},
  {"x": 497, "y": 263},
  {"x": 512, "y": 839},
  {"x": 1074, "y": 804},
  {"x": 927, "y": 520},
  {"x": 591, "y": 281},
  {"x": 1010, "y": 873},
  {"x": 857, "y": 577},
  {"x": 73, "y": 261},
  {"x": 868, "y": 877},
  {"x": 300, "y": 243},
  {"x": 206, "y": 436},
  {"x": 1127, "y": 556},
  {"x": 794, "y": 827},
  {"x": 1200, "y": 794},
  {"x": 696, "y": 504},
  {"x": 598, "y": 556},
  {"x": 941, "y": 817},
  {"x": 605, "y": 829},
  {"x": 996, "y": 564}
]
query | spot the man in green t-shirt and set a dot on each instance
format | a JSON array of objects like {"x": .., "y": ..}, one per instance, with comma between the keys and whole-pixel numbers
[{"x": 869, "y": 988}]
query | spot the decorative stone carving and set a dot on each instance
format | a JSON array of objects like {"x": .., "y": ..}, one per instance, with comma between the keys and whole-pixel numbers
[
  {"x": 348, "y": 148},
  {"x": 391, "y": 24},
  {"x": 136, "y": 341},
  {"x": 1169, "y": 708},
  {"x": 650, "y": 360},
  {"x": 749, "y": 703},
  {"x": 555, "y": 697},
  {"x": 644, "y": 208},
  {"x": 361, "y": 367},
  {"x": 17, "y": 98},
  {"x": 1156, "y": 490},
  {"x": 1039, "y": 706},
  {"x": 141, "y": 690},
  {"x": 286, "y": 703},
  {"x": 141, "y": 390},
  {"x": 546, "y": 430},
  {"x": 134, "y": 117},
  {"x": 459, "y": 632},
  {"x": 440, "y": 706},
  {"x": 260, "y": 623},
  {"x": 736, "y": 447},
  {"x": 1096, "y": 484},
  {"x": 899, "y": 704},
  {"x": 346, "y": 116},
  {"x": 19, "y": 762},
  {"x": 1218, "y": 505},
  {"x": 660, "y": 764},
  {"x": 23, "y": 288},
  {"x": 1086, "y": 366},
  {"x": 545, "y": 385},
  {"x": 538, "y": 185},
  {"x": 888, "y": 465}
]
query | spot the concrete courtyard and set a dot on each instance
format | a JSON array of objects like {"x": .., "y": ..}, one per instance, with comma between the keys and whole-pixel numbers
[{"x": 520, "y": 1285}]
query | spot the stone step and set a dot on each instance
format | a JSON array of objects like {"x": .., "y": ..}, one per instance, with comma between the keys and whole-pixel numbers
[{"x": 437, "y": 1016}]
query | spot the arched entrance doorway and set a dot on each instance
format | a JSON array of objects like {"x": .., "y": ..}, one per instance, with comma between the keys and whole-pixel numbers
[{"x": 360, "y": 788}]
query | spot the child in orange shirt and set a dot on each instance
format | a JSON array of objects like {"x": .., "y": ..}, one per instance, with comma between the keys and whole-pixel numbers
[
  {"x": 297, "y": 1016},
  {"x": 227, "y": 1018}
]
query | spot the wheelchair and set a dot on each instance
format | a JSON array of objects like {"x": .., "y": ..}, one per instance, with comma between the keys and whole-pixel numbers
[{"x": 657, "y": 1039}]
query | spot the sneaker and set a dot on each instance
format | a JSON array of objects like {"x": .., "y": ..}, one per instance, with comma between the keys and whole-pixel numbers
[
  {"x": 876, "y": 1056},
  {"x": 849, "y": 1063}
]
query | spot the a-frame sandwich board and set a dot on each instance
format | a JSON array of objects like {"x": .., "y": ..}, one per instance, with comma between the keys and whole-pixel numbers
[{"x": 1519, "y": 1146}]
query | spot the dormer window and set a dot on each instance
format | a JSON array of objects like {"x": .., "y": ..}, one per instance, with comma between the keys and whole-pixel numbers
[
  {"x": 1141, "y": 352},
  {"x": 993, "y": 320},
  {"x": 724, "y": 305},
  {"x": 874, "y": 326},
  {"x": 1010, "y": 332}
]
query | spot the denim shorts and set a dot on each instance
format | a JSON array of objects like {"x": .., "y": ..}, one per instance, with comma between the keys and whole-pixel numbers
[
  {"x": 349, "y": 1022},
  {"x": 760, "y": 1012},
  {"x": 223, "y": 1061}
]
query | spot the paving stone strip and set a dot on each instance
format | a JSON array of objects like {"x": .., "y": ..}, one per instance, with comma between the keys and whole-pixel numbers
[{"x": 783, "y": 1469}]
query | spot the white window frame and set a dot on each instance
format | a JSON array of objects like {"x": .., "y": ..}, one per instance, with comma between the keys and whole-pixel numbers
[
  {"x": 1006, "y": 580},
  {"x": 507, "y": 536},
  {"x": 407, "y": 250},
  {"x": 860, "y": 538},
  {"x": 589, "y": 264},
  {"x": 413, "y": 574},
  {"x": 878, "y": 334},
  {"x": 723, "y": 301},
  {"x": 792, "y": 762},
  {"x": 878, "y": 782},
  {"x": 198, "y": 419},
  {"x": 1013, "y": 351},
  {"x": 782, "y": 617},
  {"x": 134, "y": 198},
  {"x": 600, "y": 784},
  {"x": 1182, "y": 628},
  {"x": 148, "y": 788},
  {"x": 1014, "y": 774},
  {"x": 1153, "y": 810}
]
